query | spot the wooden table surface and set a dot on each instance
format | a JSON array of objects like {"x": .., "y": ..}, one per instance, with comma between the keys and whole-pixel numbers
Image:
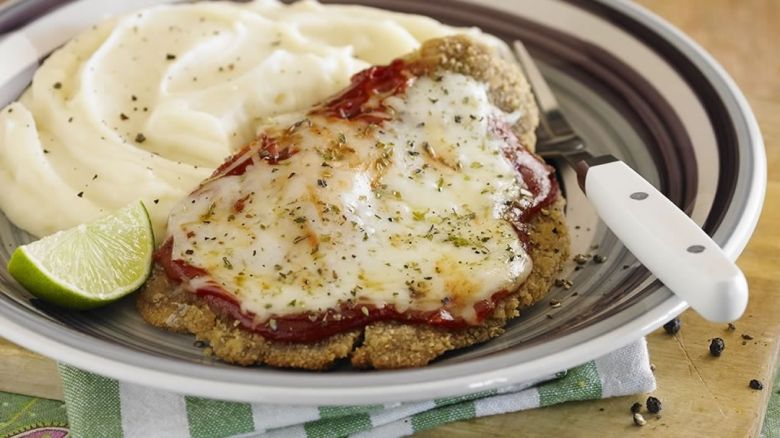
[{"x": 701, "y": 395}]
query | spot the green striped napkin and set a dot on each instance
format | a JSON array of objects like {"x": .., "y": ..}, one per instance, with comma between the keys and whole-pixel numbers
[
  {"x": 102, "y": 407},
  {"x": 771, "y": 427}
]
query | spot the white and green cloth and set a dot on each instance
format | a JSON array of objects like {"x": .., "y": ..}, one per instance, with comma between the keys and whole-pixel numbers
[{"x": 102, "y": 407}]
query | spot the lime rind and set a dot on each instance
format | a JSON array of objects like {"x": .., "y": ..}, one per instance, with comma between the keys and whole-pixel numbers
[{"x": 89, "y": 265}]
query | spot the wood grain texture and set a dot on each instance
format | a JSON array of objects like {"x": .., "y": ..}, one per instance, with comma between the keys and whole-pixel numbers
[
  {"x": 702, "y": 396},
  {"x": 25, "y": 372}
]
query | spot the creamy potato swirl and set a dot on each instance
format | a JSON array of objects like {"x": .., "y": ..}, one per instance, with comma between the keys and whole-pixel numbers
[{"x": 147, "y": 105}]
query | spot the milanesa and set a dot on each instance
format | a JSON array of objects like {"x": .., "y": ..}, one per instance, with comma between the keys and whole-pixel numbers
[{"x": 400, "y": 219}]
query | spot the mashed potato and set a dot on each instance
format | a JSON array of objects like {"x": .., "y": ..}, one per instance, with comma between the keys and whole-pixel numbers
[{"x": 147, "y": 105}]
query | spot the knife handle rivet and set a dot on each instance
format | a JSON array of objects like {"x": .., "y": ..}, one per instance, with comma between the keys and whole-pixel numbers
[
  {"x": 695, "y": 249},
  {"x": 639, "y": 196}
]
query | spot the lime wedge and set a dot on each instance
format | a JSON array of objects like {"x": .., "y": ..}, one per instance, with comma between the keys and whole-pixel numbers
[{"x": 89, "y": 265}]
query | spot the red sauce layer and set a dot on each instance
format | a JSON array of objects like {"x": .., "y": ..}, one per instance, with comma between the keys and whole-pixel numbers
[
  {"x": 363, "y": 98},
  {"x": 363, "y": 101},
  {"x": 271, "y": 149},
  {"x": 313, "y": 326},
  {"x": 538, "y": 176}
]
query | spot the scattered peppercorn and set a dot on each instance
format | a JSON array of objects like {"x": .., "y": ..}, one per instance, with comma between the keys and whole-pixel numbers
[
  {"x": 755, "y": 384},
  {"x": 731, "y": 327},
  {"x": 639, "y": 420},
  {"x": 717, "y": 346},
  {"x": 598, "y": 258},
  {"x": 636, "y": 407},
  {"x": 653, "y": 405},
  {"x": 80, "y": 194},
  {"x": 140, "y": 138},
  {"x": 123, "y": 116},
  {"x": 57, "y": 85},
  {"x": 673, "y": 326},
  {"x": 747, "y": 337},
  {"x": 170, "y": 56}
]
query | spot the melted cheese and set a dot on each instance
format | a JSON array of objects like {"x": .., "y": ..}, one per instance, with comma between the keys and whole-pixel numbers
[{"x": 407, "y": 214}]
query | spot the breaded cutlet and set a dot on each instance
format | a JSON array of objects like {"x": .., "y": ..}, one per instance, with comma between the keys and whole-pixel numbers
[{"x": 388, "y": 344}]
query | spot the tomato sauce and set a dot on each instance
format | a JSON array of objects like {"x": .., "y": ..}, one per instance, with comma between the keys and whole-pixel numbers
[
  {"x": 313, "y": 326},
  {"x": 538, "y": 176},
  {"x": 272, "y": 150},
  {"x": 363, "y": 101}
]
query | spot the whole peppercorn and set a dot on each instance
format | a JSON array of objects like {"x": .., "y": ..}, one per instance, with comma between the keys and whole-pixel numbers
[
  {"x": 755, "y": 384},
  {"x": 673, "y": 326},
  {"x": 636, "y": 407},
  {"x": 717, "y": 346},
  {"x": 653, "y": 405}
]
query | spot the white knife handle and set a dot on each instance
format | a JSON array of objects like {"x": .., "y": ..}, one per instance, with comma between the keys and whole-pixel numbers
[{"x": 667, "y": 241}]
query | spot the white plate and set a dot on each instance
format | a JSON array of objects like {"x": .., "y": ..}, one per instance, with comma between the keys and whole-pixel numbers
[{"x": 633, "y": 85}]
